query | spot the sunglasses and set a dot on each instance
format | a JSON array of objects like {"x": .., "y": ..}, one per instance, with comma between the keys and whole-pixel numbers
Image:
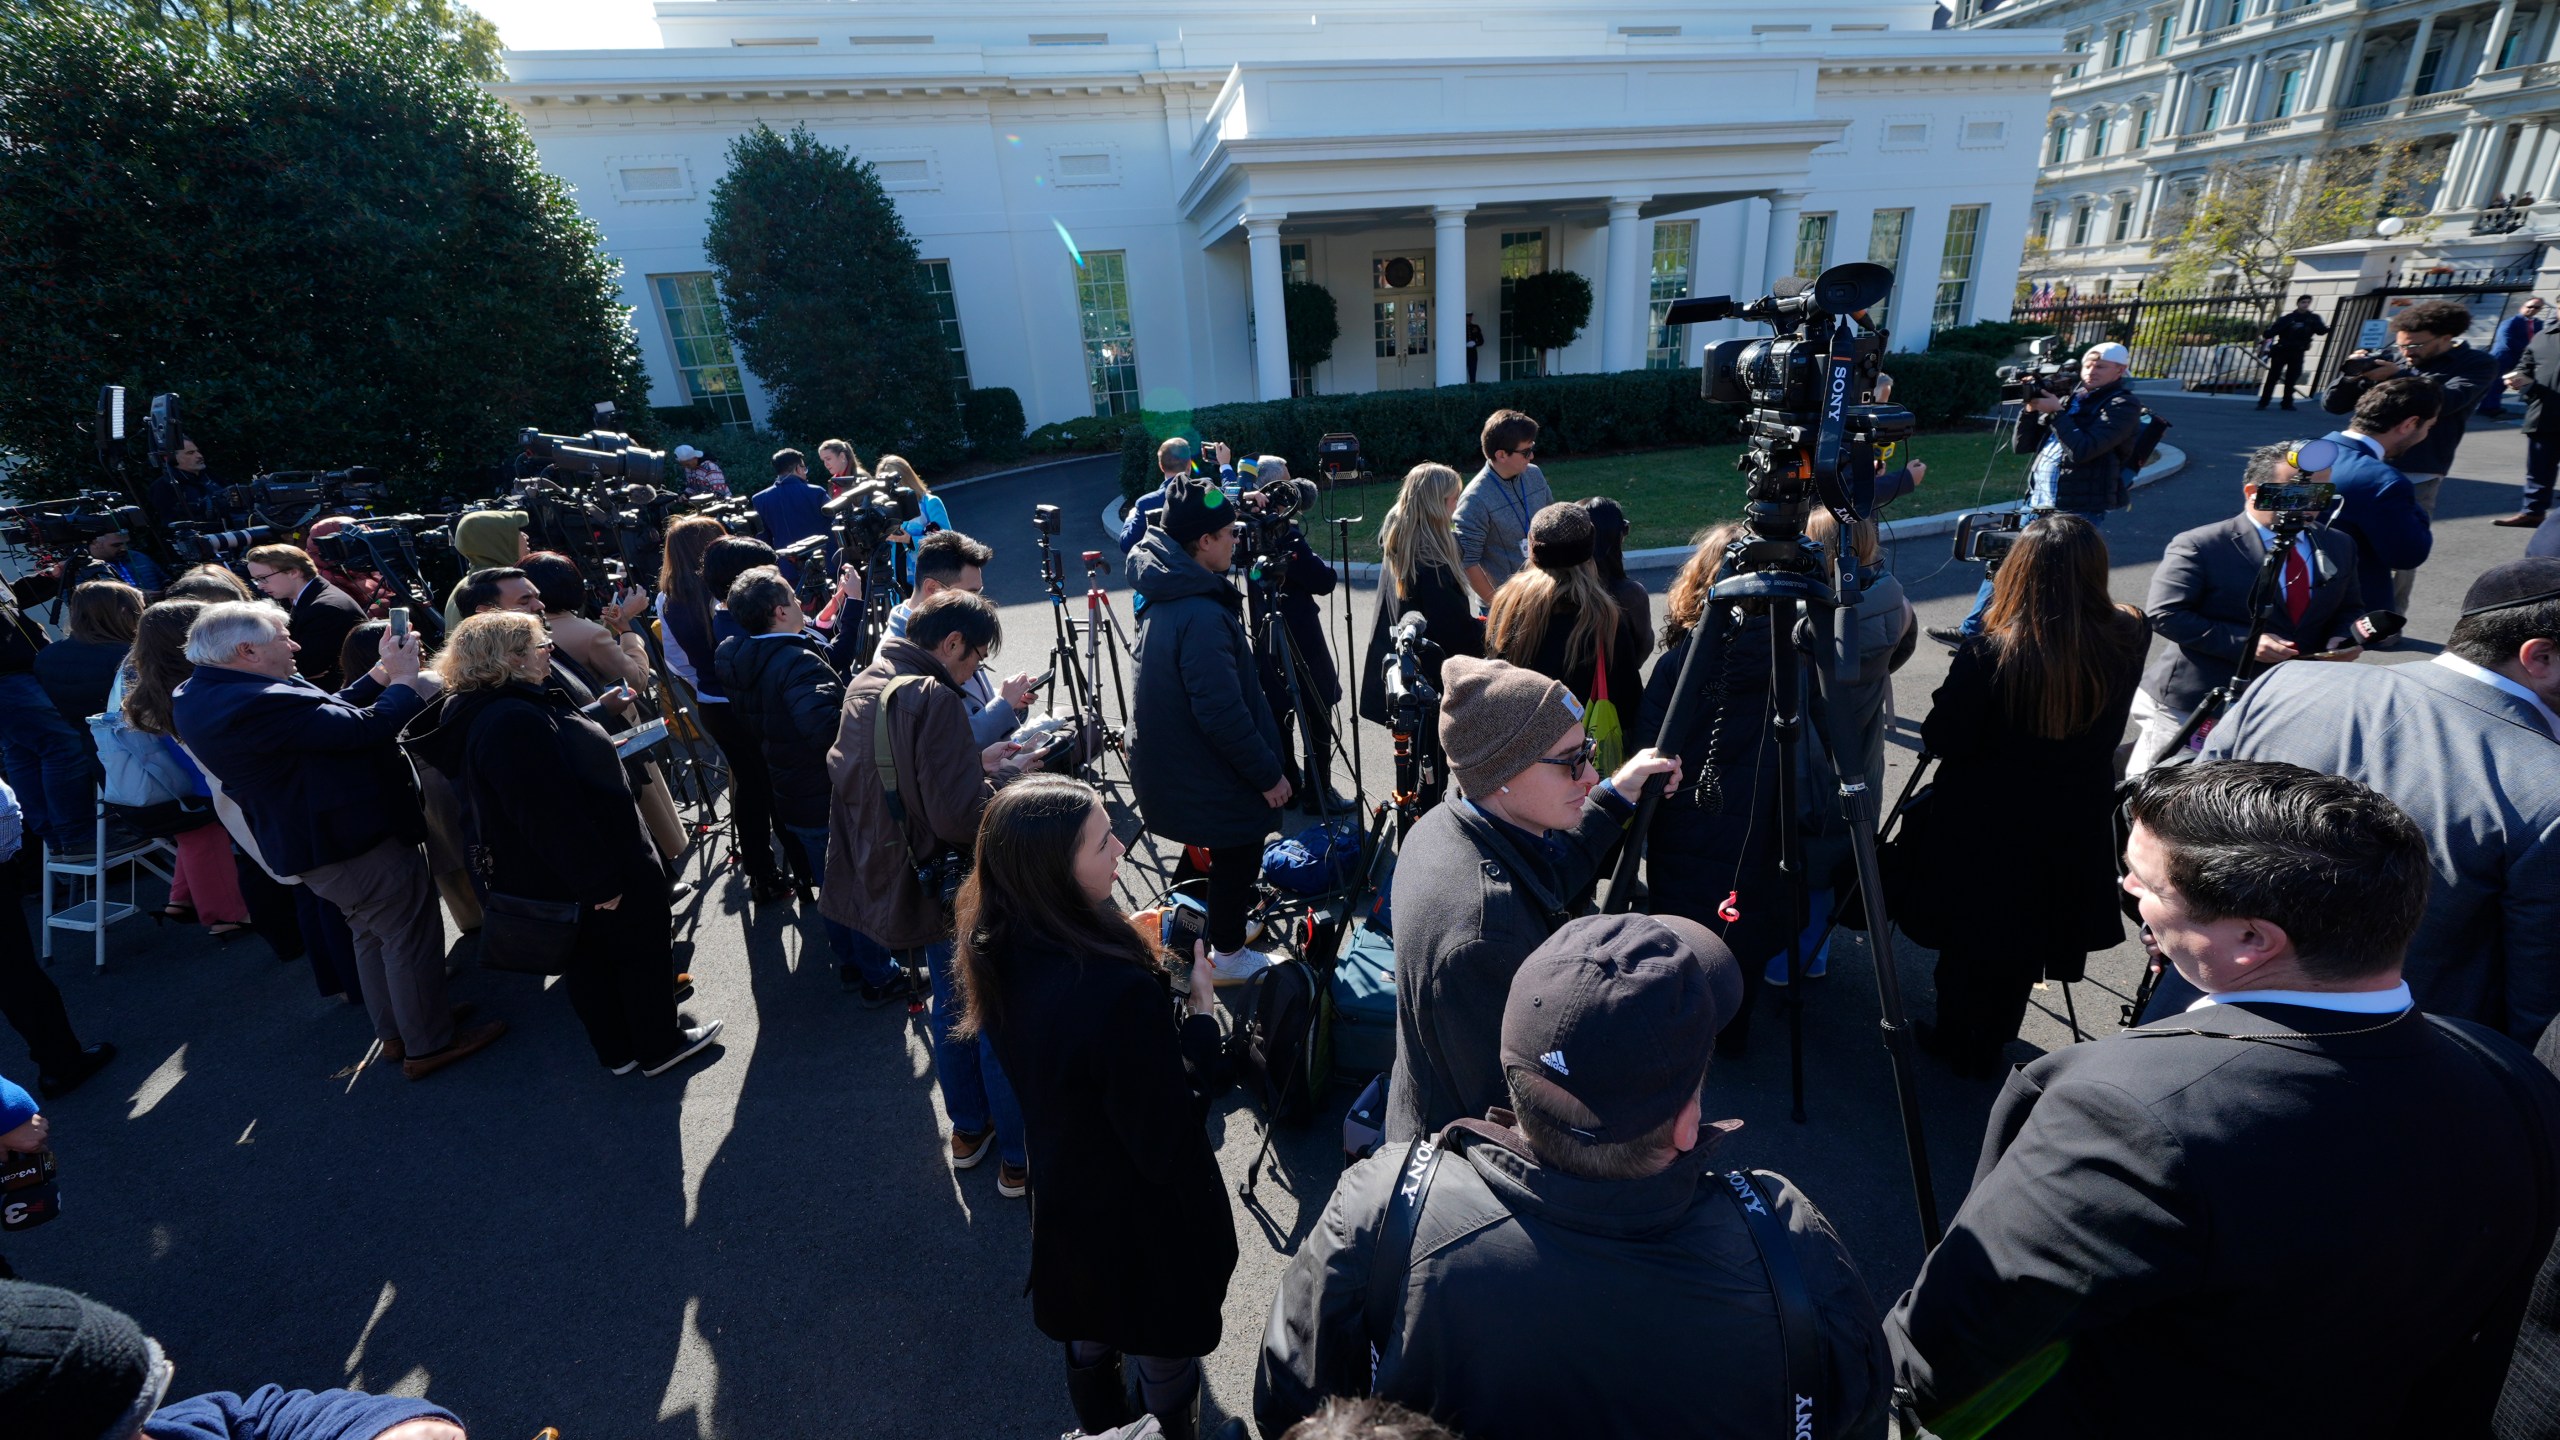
[{"x": 1573, "y": 763}]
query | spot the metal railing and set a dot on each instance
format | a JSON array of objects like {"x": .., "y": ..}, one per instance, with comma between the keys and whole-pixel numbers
[{"x": 2204, "y": 341}]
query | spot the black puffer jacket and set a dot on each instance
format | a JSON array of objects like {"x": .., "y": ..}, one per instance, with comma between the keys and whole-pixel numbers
[
  {"x": 1203, "y": 747},
  {"x": 2093, "y": 428},
  {"x": 792, "y": 700},
  {"x": 1517, "y": 1317},
  {"x": 545, "y": 790}
]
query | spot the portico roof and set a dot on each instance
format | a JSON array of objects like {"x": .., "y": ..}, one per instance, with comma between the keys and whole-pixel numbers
[{"x": 1347, "y": 145}]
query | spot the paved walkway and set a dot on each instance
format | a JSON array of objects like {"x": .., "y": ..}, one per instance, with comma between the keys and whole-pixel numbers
[{"x": 772, "y": 1245}]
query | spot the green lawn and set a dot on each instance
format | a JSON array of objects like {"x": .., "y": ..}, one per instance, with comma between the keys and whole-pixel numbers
[{"x": 1670, "y": 494}]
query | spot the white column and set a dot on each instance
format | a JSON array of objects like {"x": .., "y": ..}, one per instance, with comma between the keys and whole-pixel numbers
[
  {"x": 1270, "y": 308},
  {"x": 2173, "y": 107},
  {"x": 1784, "y": 208},
  {"x": 2333, "y": 68},
  {"x": 1623, "y": 288},
  {"x": 2465, "y": 145},
  {"x": 1449, "y": 294},
  {"x": 2417, "y": 55},
  {"x": 2499, "y": 25}
]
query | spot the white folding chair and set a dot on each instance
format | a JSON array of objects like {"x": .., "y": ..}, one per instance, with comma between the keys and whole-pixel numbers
[{"x": 91, "y": 910}]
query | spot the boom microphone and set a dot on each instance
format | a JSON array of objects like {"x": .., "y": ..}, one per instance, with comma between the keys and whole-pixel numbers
[{"x": 1409, "y": 630}]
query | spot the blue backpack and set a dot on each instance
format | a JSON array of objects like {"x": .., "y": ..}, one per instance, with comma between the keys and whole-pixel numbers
[{"x": 1316, "y": 860}]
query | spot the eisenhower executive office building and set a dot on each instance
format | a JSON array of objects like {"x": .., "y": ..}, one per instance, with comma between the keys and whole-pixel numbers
[{"x": 1106, "y": 195}]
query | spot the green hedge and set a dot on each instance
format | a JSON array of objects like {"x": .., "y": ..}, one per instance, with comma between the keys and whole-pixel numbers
[
  {"x": 1576, "y": 415},
  {"x": 1995, "y": 338},
  {"x": 993, "y": 418}
]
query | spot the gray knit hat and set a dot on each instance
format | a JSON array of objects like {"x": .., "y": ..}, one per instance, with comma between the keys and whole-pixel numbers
[{"x": 1496, "y": 719}]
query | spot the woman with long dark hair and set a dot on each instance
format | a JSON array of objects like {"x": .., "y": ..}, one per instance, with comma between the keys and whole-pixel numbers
[
  {"x": 205, "y": 882},
  {"x": 2025, "y": 729},
  {"x": 1132, "y": 1240},
  {"x": 689, "y": 617}
]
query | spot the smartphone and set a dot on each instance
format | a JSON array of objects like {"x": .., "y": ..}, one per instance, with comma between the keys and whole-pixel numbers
[
  {"x": 1040, "y": 681},
  {"x": 1185, "y": 921},
  {"x": 400, "y": 623}
]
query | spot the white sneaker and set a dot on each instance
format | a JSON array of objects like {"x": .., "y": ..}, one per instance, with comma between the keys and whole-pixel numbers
[
  {"x": 695, "y": 1038},
  {"x": 1234, "y": 967}
]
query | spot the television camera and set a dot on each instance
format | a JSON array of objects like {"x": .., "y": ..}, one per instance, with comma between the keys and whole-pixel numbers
[
  {"x": 2047, "y": 372},
  {"x": 60, "y": 527}
]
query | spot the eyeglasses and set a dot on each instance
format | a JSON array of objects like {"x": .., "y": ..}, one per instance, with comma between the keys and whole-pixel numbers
[
  {"x": 1572, "y": 764},
  {"x": 541, "y": 646}
]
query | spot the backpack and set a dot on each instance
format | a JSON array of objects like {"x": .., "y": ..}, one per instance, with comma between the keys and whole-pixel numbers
[
  {"x": 1321, "y": 858},
  {"x": 1283, "y": 1049}
]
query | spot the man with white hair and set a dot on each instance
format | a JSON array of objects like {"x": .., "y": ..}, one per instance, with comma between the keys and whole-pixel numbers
[
  {"x": 322, "y": 782},
  {"x": 2079, "y": 445}
]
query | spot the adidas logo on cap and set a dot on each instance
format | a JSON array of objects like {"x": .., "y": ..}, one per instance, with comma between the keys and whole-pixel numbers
[{"x": 1554, "y": 1060}]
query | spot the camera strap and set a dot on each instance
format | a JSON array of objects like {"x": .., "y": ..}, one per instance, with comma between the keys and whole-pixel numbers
[
  {"x": 884, "y": 759},
  {"x": 1391, "y": 1264},
  {"x": 1798, "y": 1334}
]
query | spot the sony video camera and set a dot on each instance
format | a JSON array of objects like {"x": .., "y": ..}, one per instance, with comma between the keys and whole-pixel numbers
[
  {"x": 200, "y": 544},
  {"x": 2047, "y": 372},
  {"x": 1985, "y": 537},
  {"x": 864, "y": 515},
  {"x": 387, "y": 544},
  {"x": 2360, "y": 364},
  {"x": 1269, "y": 507},
  {"x": 603, "y": 453}
]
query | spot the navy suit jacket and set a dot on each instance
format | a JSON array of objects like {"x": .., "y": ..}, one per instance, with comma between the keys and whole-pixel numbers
[
  {"x": 2380, "y": 509},
  {"x": 319, "y": 776},
  {"x": 2199, "y": 602}
]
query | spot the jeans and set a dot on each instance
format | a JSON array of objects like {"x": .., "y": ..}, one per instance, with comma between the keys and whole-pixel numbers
[
  {"x": 49, "y": 764},
  {"x": 851, "y": 948},
  {"x": 2541, "y": 463},
  {"x": 1972, "y": 624},
  {"x": 974, "y": 1091},
  {"x": 2425, "y": 489}
]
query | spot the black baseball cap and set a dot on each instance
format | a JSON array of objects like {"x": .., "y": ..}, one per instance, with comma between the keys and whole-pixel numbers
[
  {"x": 1611, "y": 1022},
  {"x": 2528, "y": 581}
]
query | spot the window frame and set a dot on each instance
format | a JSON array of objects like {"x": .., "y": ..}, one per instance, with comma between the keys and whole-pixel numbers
[
  {"x": 1514, "y": 361},
  {"x": 1954, "y": 293},
  {"x": 1104, "y": 371},
  {"x": 728, "y": 406},
  {"x": 1667, "y": 346},
  {"x": 1893, "y": 256}
]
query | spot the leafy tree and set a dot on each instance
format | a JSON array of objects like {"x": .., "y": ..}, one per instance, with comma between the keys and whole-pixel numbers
[
  {"x": 1314, "y": 324},
  {"x": 820, "y": 287},
  {"x": 201, "y": 28},
  {"x": 321, "y": 231},
  {"x": 2248, "y": 220},
  {"x": 1548, "y": 309}
]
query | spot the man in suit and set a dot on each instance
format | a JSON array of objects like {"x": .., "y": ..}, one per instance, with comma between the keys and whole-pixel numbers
[
  {"x": 2201, "y": 596},
  {"x": 2465, "y": 744},
  {"x": 2377, "y": 505},
  {"x": 2301, "y": 1207},
  {"x": 2288, "y": 340},
  {"x": 322, "y": 613},
  {"x": 2536, "y": 376},
  {"x": 2515, "y": 333},
  {"x": 326, "y": 792}
]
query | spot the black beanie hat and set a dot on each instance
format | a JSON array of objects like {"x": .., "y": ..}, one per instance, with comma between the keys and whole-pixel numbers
[
  {"x": 73, "y": 1368},
  {"x": 1193, "y": 508}
]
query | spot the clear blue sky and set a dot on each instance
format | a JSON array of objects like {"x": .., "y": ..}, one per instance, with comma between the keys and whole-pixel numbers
[{"x": 572, "y": 24}]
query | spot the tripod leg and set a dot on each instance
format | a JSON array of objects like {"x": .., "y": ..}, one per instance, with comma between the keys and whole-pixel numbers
[
  {"x": 1788, "y": 725},
  {"x": 1858, "y": 805},
  {"x": 2073, "y": 1012}
]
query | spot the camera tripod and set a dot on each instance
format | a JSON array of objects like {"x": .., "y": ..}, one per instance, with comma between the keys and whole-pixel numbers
[
  {"x": 1798, "y": 441},
  {"x": 1275, "y": 651},
  {"x": 2264, "y": 593}
]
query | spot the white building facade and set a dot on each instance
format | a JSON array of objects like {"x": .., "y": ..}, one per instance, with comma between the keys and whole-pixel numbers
[
  {"x": 2157, "y": 94},
  {"x": 1109, "y": 199}
]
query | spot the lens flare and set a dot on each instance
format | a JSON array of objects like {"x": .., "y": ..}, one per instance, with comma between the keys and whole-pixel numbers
[{"x": 1070, "y": 239}]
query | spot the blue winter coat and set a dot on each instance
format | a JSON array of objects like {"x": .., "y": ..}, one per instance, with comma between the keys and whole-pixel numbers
[
  {"x": 1203, "y": 747},
  {"x": 2380, "y": 509}
]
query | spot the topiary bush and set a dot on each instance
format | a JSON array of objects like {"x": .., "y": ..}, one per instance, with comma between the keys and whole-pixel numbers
[
  {"x": 993, "y": 417},
  {"x": 1549, "y": 309}
]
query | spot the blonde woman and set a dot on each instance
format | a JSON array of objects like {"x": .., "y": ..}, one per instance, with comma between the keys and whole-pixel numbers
[
  {"x": 555, "y": 813},
  {"x": 1557, "y": 617},
  {"x": 894, "y": 470},
  {"x": 1420, "y": 575}
]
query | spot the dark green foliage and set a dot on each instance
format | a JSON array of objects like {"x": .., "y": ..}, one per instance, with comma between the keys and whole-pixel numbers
[
  {"x": 1996, "y": 338},
  {"x": 321, "y": 232},
  {"x": 1550, "y": 308},
  {"x": 819, "y": 286},
  {"x": 1077, "y": 435},
  {"x": 1576, "y": 415},
  {"x": 1314, "y": 323},
  {"x": 744, "y": 455},
  {"x": 199, "y": 28},
  {"x": 994, "y": 419},
  {"x": 1943, "y": 390}
]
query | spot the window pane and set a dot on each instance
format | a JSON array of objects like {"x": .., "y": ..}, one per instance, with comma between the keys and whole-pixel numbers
[
  {"x": 690, "y": 306},
  {"x": 1813, "y": 244},
  {"x": 1955, "y": 266},
  {"x": 1675, "y": 253},
  {"x": 1110, "y": 346},
  {"x": 1524, "y": 252},
  {"x": 1884, "y": 247},
  {"x": 937, "y": 282}
]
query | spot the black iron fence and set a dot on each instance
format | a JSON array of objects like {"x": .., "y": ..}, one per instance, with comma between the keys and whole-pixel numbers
[{"x": 2207, "y": 342}]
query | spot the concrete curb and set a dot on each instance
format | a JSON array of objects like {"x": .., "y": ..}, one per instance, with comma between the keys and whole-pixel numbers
[
  {"x": 2168, "y": 461},
  {"x": 1021, "y": 470}
]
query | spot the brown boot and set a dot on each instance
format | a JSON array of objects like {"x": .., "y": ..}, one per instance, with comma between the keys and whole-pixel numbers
[
  {"x": 393, "y": 1051},
  {"x": 468, "y": 1042},
  {"x": 2522, "y": 520}
]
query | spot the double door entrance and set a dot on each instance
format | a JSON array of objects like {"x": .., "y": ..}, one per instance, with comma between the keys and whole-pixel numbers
[{"x": 1400, "y": 319}]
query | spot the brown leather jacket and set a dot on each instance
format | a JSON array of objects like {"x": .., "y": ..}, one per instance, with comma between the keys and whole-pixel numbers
[{"x": 870, "y": 882}]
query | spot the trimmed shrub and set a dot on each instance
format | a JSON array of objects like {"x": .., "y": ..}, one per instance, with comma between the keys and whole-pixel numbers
[
  {"x": 1995, "y": 338},
  {"x": 1084, "y": 433},
  {"x": 993, "y": 417},
  {"x": 1943, "y": 390},
  {"x": 744, "y": 455},
  {"x": 1314, "y": 323}
]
